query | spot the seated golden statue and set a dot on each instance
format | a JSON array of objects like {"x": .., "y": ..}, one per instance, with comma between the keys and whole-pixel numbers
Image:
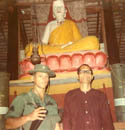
[{"x": 62, "y": 35}]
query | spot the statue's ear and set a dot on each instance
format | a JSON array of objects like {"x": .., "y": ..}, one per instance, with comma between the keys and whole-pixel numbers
[{"x": 54, "y": 16}]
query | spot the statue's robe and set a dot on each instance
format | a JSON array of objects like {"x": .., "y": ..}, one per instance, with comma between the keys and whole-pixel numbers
[
  {"x": 62, "y": 35},
  {"x": 66, "y": 32}
]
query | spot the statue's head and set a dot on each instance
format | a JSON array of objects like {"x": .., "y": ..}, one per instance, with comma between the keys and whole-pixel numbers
[{"x": 59, "y": 11}]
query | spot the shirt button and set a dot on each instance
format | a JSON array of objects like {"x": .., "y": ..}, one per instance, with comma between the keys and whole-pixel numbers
[
  {"x": 86, "y": 112},
  {"x": 85, "y": 101},
  {"x": 87, "y": 122}
]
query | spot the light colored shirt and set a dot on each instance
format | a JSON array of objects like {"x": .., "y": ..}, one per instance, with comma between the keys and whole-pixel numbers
[{"x": 27, "y": 102}]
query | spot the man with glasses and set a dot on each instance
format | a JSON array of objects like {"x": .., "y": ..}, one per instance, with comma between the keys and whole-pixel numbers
[{"x": 86, "y": 108}]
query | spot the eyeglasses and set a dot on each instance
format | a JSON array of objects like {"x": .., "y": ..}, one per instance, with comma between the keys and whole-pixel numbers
[{"x": 85, "y": 71}]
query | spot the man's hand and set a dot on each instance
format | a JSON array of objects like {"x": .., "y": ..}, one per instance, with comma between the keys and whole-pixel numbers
[{"x": 38, "y": 114}]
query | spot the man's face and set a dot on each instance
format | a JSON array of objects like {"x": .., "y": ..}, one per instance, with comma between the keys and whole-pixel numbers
[
  {"x": 41, "y": 79},
  {"x": 58, "y": 9},
  {"x": 85, "y": 75}
]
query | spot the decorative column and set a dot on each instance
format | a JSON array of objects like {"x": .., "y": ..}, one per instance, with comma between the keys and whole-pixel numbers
[
  {"x": 4, "y": 97},
  {"x": 13, "y": 48},
  {"x": 112, "y": 46}
]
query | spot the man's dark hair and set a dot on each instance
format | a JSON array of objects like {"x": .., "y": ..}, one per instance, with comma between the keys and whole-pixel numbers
[{"x": 79, "y": 69}]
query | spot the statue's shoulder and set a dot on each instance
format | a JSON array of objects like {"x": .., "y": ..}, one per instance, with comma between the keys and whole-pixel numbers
[{"x": 51, "y": 23}]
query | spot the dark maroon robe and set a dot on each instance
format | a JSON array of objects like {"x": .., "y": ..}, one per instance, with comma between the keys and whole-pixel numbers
[{"x": 88, "y": 111}]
